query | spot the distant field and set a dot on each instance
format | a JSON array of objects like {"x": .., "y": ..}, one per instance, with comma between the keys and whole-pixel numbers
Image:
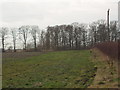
[
  {"x": 19, "y": 55},
  {"x": 64, "y": 69}
]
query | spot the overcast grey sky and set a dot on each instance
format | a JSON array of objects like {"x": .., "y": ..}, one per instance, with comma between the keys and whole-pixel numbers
[{"x": 15, "y": 13}]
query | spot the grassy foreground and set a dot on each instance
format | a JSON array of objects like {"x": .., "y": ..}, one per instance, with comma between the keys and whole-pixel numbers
[{"x": 64, "y": 69}]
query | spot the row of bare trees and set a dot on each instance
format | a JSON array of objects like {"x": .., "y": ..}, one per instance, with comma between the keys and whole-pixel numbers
[
  {"x": 23, "y": 33},
  {"x": 80, "y": 36},
  {"x": 62, "y": 37}
]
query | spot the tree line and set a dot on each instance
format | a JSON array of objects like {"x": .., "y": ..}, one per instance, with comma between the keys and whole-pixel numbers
[{"x": 61, "y": 37}]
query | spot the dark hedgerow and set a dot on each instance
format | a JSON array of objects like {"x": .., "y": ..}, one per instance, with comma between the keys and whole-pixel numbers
[{"x": 109, "y": 48}]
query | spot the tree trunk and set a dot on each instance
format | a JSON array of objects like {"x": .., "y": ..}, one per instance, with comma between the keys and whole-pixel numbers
[
  {"x": 25, "y": 46},
  {"x": 35, "y": 46},
  {"x": 3, "y": 48},
  {"x": 14, "y": 46}
]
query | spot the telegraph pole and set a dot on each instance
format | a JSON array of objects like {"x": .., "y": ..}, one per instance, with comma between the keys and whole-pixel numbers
[{"x": 108, "y": 24}]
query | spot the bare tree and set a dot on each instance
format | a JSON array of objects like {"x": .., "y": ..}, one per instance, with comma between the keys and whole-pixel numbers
[
  {"x": 93, "y": 33},
  {"x": 42, "y": 40},
  {"x": 63, "y": 36},
  {"x": 3, "y": 33},
  {"x": 77, "y": 35},
  {"x": 98, "y": 32},
  {"x": 14, "y": 36},
  {"x": 113, "y": 31},
  {"x": 39, "y": 36},
  {"x": 69, "y": 31},
  {"x": 48, "y": 38},
  {"x": 84, "y": 34},
  {"x": 23, "y": 31},
  {"x": 34, "y": 30}
]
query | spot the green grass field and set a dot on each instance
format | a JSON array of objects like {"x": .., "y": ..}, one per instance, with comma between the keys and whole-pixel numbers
[{"x": 64, "y": 69}]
